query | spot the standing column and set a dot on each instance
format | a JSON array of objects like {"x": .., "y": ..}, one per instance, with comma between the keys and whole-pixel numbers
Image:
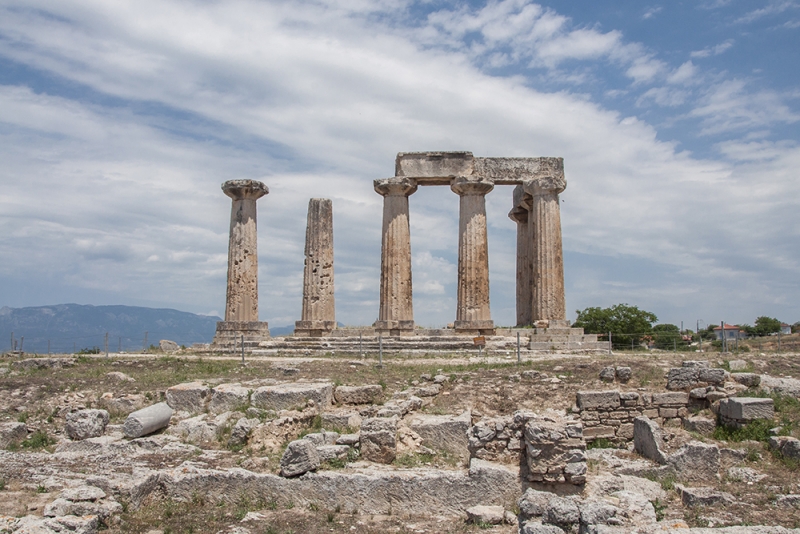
[
  {"x": 548, "y": 261},
  {"x": 396, "y": 312},
  {"x": 319, "y": 314},
  {"x": 472, "y": 311},
  {"x": 524, "y": 266},
  {"x": 241, "y": 304}
]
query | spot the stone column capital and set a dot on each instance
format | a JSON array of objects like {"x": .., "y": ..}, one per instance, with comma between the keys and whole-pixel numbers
[
  {"x": 245, "y": 189},
  {"x": 552, "y": 184},
  {"x": 519, "y": 215},
  {"x": 395, "y": 187},
  {"x": 464, "y": 186}
]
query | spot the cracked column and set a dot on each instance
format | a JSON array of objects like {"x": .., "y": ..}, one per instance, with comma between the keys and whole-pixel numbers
[
  {"x": 472, "y": 310},
  {"x": 519, "y": 214},
  {"x": 319, "y": 314},
  {"x": 548, "y": 260},
  {"x": 396, "y": 314},
  {"x": 241, "y": 304}
]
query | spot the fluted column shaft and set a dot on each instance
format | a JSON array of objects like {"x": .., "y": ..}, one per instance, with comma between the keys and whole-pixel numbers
[
  {"x": 548, "y": 260},
  {"x": 319, "y": 312},
  {"x": 524, "y": 266},
  {"x": 241, "y": 303},
  {"x": 396, "y": 297},
  {"x": 472, "y": 310}
]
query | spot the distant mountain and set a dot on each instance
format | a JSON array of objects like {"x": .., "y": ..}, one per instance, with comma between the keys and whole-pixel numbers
[{"x": 70, "y": 327}]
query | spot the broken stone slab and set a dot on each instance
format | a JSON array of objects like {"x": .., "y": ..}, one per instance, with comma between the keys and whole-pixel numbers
[
  {"x": 379, "y": 439},
  {"x": 787, "y": 501},
  {"x": 348, "y": 439},
  {"x": 737, "y": 365},
  {"x": 328, "y": 453},
  {"x": 703, "y": 496},
  {"x": 680, "y": 378},
  {"x": 750, "y": 380},
  {"x": 533, "y": 503},
  {"x": 87, "y": 423},
  {"x": 607, "y": 374},
  {"x": 624, "y": 374},
  {"x": 300, "y": 457},
  {"x": 342, "y": 420},
  {"x": 120, "y": 377},
  {"x": 714, "y": 377},
  {"x": 44, "y": 363},
  {"x": 598, "y": 400},
  {"x": 444, "y": 432},
  {"x": 103, "y": 509},
  {"x": 745, "y": 474},
  {"x": 648, "y": 439},
  {"x": 787, "y": 445},
  {"x": 699, "y": 424},
  {"x": 82, "y": 493},
  {"x": 189, "y": 397},
  {"x": 370, "y": 394},
  {"x": 696, "y": 461},
  {"x": 293, "y": 395},
  {"x": 12, "y": 434},
  {"x": 671, "y": 398},
  {"x": 147, "y": 420},
  {"x": 322, "y": 438},
  {"x": 485, "y": 515},
  {"x": 241, "y": 431},
  {"x": 68, "y": 523},
  {"x": 597, "y": 512},
  {"x": 196, "y": 430},
  {"x": 695, "y": 363},
  {"x": 228, "y": 398},
  {"x": 746, "y": 408},
  {"x": 537, "y": 527},
  {"x": 562, "y": 511}
]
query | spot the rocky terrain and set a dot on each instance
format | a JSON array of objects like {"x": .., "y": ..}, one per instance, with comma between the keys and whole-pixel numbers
[{"x": 452, "y": 443}]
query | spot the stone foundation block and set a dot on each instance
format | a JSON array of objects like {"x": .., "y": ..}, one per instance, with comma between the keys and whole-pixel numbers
[
  {"x": 379, "y": 440},
  {"x": 82, "y": 424},
  {"x": 676, "y": 397},
  {"x": 750, "y": 380},
  {"x": 292, "y": 395},
  {"x": 12, "y": 434},
  {"x": 358, "y": 394},
  {"x": 598, "y": 400},
  {"x": 228, "y": 398},
  {"x": 189, "y": 397},
  {"x": 746, "y": 408},
  {"x": 443, "y": 432}
]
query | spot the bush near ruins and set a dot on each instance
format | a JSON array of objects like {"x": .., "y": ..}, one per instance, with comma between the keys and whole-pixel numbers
[
  {"x": 628, "y": 324},
  {"x": 667, "y": 336}
]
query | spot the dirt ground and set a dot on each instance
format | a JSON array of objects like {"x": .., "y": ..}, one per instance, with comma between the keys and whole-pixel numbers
[{"x": 488, "y": 386}]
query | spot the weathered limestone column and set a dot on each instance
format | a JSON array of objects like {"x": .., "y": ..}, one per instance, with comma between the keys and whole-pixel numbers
[
  {"x": 549, "y": 303},
  {"x": 319, "y": 314},
  {"x": 241, "y": 304},
  {"x": 472, "y": 310},
  {"x": 524, "y": 266},
  {"x": 396, "y": 314}
]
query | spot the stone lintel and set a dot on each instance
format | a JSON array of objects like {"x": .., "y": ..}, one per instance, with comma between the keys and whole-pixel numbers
[
  {"x": 244, "y": 327},
  {"x": 481, "y": 327},
  {"x": 437, "y": 168}
]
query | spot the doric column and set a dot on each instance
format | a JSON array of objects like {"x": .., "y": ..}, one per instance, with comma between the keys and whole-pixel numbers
[
  {"x": 524, "y": 266},
  {"x": 548, "y": 260},
  {"x": 472, "y": 310},
  {"x": 396, "y": 312},
  {"x": 319, "y": 314},
  {"x": 241, "y": 303}
]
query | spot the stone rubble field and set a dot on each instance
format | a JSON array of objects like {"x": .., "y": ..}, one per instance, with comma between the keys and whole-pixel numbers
[{"x": 561, "y": 443}]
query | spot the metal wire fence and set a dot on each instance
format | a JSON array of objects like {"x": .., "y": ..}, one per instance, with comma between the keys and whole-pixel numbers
[{"x": 692, "y": 342}]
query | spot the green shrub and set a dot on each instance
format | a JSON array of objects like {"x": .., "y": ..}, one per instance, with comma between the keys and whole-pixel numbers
[
  {"x": 601, "y": 443},
  {"x": 38, "y": 440},
  {"x": 758, "y": 430}
]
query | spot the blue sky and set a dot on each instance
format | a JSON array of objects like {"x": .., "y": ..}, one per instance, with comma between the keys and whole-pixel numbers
[{"x": 678, "y": 122}]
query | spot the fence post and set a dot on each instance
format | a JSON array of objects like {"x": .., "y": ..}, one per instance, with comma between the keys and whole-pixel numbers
[
  {"x": 518, "y": 356},
  {"x": 609, "y": 343},
  {"x": 380, "y": 350},
  {"x": 779, "y": 341},
  {"x": 106, "y": 344},
  {"x": 242, "y": 349},
  {"x": 145, "y": 342}
]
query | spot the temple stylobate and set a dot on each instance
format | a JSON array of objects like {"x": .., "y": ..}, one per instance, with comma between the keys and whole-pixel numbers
[{"x": 535, "y": 209}]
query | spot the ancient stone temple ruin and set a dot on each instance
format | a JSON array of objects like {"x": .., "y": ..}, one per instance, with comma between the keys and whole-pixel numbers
[
  {"x": 241, "y": 304},
  {"x": 540, "y": 264}
]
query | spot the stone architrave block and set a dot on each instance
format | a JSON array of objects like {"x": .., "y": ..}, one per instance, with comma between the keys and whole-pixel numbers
[
  {"x": 82, "y": 424},
  {"x": 598, "y": 400},
  {"x": 703, "y": 496},
  {"x": 747, "y": 408},
  {"x": 300, "y": 457},
  {"x": 696, "y": 461},
  {"x": 358, "y": 394},
  {"x": 189, "y": 397},
  {"x": 671, "y": 398},
  {"x": 228, "y": 398},
  {"x": 714, "y": 377},
  {"x": 648, "y": 440},
  {"x": 12, "y": 434},
  {"x": 598, "y": 432},
  {"x": 750, "y": 380},
  {"x": 292, "y": 395},
  {"x": 379, "y": 439},
  {"x": 444, "y": 432},
  {"x": 147, "y": 420},
  {"x": 328, "y": 453},
  {"x": 682, "y": 377}
]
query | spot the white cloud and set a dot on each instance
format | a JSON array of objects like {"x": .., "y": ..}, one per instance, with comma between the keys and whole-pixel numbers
[
  {"x": 774, "y": 7},
  {"x": 714, "y": 50},
  {"x": 652, "y": 12},
  {"x": 316, "y": 100}
]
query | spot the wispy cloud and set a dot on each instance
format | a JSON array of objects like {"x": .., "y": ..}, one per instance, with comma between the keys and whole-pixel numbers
[
  {"x": 714, "y": 50},
  {"x": 774, "y": 7}
]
